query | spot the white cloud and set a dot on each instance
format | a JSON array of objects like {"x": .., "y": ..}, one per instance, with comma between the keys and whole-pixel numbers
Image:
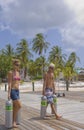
[
  {"x": 70, "y": 50},
  {"x": 73, "y": 34},
  {"x": 28, "y": 17},
  {"x": 78, "y": 8}
]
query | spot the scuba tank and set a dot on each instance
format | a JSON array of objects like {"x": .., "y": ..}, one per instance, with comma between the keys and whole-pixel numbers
[
  {"x": 43, "y": 106},
  {"x": 8, "y": 114},
  {"x": 55, "y": 103}
]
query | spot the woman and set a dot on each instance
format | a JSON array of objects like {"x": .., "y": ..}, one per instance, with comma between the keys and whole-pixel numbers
[{"x": 13, "y": 89}]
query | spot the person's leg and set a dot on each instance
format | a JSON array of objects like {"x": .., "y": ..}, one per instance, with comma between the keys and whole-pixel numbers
[
  {"x": 53, "y": 109},
  {"x": 16, "y": 107},
  {"x": 52, "y": 112}
]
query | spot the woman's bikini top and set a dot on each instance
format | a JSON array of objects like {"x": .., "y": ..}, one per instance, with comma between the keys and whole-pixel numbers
[{"x": 16, "y": 77}]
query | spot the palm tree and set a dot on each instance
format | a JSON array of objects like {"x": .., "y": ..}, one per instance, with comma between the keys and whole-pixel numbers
[
  {"x": 9, "y": 51},
  {"x": 6, "y": 56},
  {"x": 40, "y": 46},
  {"x": 5, "y": 65},
  {"x": 41, "y": 63},
  {"x": 32, "y": 69},
  {"x": 23, "y": 53},
  {"x": 69, "y": 69},
  {"x": 67, "y": 73},
  {"x": 73, "y": 58},
  {"x": 57, "y": 58}
]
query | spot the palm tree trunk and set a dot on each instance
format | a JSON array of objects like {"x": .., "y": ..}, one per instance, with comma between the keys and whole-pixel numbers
[
  {"x": 25, "y": 72},
  {"x": 67, "y": 85}
]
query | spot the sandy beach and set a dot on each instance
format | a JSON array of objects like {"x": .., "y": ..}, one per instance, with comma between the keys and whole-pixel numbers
[{"x": 38, "y": 85}]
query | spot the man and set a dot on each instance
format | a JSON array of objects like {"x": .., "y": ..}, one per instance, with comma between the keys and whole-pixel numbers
[{"x": 49, "y": 88}]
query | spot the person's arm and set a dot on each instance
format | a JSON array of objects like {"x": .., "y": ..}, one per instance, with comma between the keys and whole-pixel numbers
[
  {"x": 44, "y": 85},
  {"x": 54, "y": 88},
  {"x": 54, "y": 91},
  {"x": 9, "y": 83}
]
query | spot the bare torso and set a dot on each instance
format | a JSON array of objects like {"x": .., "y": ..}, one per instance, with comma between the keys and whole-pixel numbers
[{"x": 49, "y": 80}]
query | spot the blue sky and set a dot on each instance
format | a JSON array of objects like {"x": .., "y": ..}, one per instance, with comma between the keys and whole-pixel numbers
[{"x": 62, "y": 21}]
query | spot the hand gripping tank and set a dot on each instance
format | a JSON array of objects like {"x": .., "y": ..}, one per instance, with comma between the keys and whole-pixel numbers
[
  {"x": 43, "y": 106},
  {"x": 8, "y": 114}
]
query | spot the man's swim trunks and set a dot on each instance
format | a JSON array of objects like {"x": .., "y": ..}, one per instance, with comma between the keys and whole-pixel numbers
[{"x": 49, "y": 95}]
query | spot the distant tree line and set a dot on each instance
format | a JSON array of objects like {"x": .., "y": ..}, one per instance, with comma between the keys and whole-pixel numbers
[{"x": 36, "y": 68}]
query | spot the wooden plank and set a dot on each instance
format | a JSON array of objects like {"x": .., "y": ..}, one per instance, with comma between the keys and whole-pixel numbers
[
  {"x": 51, "y": 122},
  {"x": 34, "y": 115},
  {"x": 36, "y": 125},
  {"x": 75, "y": 125},
  {"x": 31, "y": 121},
  {"x": 54, "y": 123},
  {"x": 27, "y": 125},
  {"x": 63, "y": 124}
]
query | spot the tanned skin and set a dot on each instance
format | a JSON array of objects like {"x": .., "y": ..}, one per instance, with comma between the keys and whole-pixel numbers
[
  {"x": 14, "y": 85},
  {"x": 49, "y": 83}
]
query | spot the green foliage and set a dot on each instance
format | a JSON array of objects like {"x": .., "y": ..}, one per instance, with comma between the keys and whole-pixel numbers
[
  {"x": 39, "y": 44},
  {"x": 8, "y": 51},
  {"x": 23, "y": 53},
  {"x": 69, "y": 70},
  {"x": 5, "y": 66},
  {"x": 6, "y": 60},
  {"x": 37, "y": 77},
  {"x": 36, "y": 68}
]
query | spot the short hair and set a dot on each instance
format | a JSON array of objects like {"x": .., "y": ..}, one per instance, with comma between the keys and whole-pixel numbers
[{"x": 52, "y": 65}]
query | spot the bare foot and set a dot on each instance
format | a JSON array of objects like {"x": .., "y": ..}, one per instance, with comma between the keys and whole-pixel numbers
[
  {"x": 58, "y": 117},
  {"x": 48, "y": 115},
  {"x": 14, "y": 125}
]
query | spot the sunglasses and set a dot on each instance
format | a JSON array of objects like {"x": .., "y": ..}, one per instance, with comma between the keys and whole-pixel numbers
[
  {"x": 17, "y": 65},
  {"x": 52, "y": 68}
]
